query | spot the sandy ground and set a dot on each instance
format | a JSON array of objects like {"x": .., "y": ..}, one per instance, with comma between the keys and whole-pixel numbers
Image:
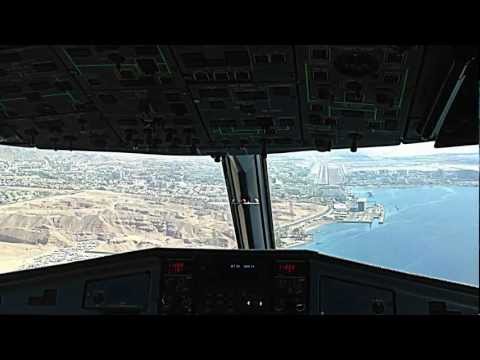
[
  {"x": 14, "y": 256},
  {"x": 71, "y": 226}
]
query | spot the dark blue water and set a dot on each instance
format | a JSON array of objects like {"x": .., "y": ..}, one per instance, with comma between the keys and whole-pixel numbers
[{"x": 431, "y": 231}]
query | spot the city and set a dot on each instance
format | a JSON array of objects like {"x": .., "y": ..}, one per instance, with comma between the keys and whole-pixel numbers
[{"x": 58, "y": 207}]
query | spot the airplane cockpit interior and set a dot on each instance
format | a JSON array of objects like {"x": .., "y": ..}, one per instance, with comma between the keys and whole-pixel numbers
[{"x": 239, "y": 180}]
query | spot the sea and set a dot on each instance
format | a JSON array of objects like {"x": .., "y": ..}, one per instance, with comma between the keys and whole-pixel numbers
[{"x": 429, "y": 230}]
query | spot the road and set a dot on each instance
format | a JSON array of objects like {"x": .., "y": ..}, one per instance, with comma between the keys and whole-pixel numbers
[{"x": 302, "y": 221}]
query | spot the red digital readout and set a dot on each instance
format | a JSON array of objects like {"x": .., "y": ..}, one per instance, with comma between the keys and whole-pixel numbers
[
  {"x": 176, "y": 267},
  {"x": 287, "y": 268}
]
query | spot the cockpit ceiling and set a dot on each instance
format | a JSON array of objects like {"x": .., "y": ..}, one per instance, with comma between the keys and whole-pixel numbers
[{"x": 219, "y": 99}]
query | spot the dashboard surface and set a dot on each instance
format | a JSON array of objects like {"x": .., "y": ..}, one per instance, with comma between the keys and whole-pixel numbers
[{"x": 228, "y": 282}]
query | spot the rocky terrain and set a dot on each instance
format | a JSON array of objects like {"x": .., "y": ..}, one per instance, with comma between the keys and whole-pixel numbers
[{"x": 73, "y": 226}]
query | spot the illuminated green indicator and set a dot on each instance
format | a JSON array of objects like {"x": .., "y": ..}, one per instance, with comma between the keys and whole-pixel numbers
[
  {"x": 164, "y": 60},
  {"x": 403, "y": 89},
  {"x": 307, "y": 82},
  {"x": 67, "y": 93},
  {"x": 232, "y": 131},
  {"x": 106, "y": 65},
  {"x": 71, "y": 60},
  {"x": 15, "y": 99}
]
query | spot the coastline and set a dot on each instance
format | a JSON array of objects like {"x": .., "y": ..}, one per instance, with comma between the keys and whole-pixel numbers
[{"x": 310, "y": 231}]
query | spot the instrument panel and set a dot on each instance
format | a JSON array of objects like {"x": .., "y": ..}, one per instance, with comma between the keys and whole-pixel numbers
[
  {"x": 228, "y": 282},
  {"x": 205, "y": 100}
]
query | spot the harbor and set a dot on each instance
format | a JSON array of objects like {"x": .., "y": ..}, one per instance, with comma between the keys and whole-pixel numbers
[{"x": 352, "y": 210}]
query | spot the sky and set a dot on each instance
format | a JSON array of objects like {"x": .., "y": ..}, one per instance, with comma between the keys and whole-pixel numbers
[
  {"x": 402, "y": 150},
  {"x": 425, "y": 148}
]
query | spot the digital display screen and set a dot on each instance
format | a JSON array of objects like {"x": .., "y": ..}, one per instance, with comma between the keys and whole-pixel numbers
[
  {"x": 177, "y": 267},
  {"x": 290, "y": 268},
  {"x": 287, "y": 268},
  {"x": 239, "y": 271}
]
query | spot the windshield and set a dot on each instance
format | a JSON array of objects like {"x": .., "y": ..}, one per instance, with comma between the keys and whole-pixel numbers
[
  {"x": 411, "y": 208},
  {"x": 61, "y": 206}
]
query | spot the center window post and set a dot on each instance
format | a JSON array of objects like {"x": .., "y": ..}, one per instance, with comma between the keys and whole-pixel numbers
[{"x": 248, "y": 189}]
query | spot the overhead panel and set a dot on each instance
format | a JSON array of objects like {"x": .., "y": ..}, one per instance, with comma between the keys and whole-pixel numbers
[
  {"x": 356, "y": 92},
  {"x": 236, "y": 99},
  {"x": 41, "y": 102},
  {"x": 141, "y": 94},
  {"x": 246, "y": 95}
]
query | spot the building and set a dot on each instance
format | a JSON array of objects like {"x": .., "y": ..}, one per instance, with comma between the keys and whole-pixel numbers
[{"x": 361, "y": 204}]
